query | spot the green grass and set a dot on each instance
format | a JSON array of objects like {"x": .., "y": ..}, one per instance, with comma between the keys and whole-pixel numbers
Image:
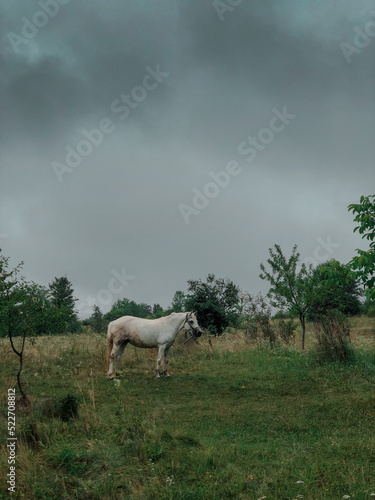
[{"x": 236, "y": 422}]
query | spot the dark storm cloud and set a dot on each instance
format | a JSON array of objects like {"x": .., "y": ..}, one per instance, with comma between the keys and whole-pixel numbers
[
  {"x": 77, "y": 64},
  {"x": 119, "y": 207}
]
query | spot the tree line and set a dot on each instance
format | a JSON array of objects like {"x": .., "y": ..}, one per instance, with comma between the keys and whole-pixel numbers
[{"x": 296, "y": 290}]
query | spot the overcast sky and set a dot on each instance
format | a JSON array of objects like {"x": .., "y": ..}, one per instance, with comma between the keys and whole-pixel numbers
[{"x": 117, "y": 118}]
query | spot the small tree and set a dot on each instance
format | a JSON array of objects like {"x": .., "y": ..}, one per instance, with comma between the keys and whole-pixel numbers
[
  {"x": 216, "y": 302},
  {"x": 290, "y": 288},
  {"x": 62, "y": 297},
  {"x": 363, "y": 264},
  {"x": 178, "y": 302},
  {"x": 335, "y": 288},
  {"x": 96, "y": 320},
  {"x": 16, "y": 313},
  {"x": 157, "y": 309},
  {"x": 62, "y": 293},
  {"x": 143, "y": 310}
]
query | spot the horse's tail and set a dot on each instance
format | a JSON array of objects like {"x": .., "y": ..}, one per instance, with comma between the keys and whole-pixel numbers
[{"x": 110, "y": 343}]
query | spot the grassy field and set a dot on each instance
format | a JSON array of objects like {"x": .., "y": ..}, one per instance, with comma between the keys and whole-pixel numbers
[{"x": 233, "y": 421}]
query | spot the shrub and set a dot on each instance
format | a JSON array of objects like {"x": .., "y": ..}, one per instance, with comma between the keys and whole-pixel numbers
[
  {"x": 68, "y": 408},
  {"x": 286, "y": 330},
  {"x": 333, "y": 335},
  {"x": 256, "y": 316}
]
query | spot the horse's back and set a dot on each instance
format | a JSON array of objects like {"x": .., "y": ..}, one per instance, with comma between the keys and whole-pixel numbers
[{"x": 140, "y": 332}]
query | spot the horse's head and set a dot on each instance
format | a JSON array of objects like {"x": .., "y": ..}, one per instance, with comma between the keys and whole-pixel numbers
[{"x": 192, "y": 324}]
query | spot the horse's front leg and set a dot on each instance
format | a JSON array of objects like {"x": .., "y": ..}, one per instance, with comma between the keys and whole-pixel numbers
[
  {"x": 166, "y": 358},
  {"x": 158, "y": 362}
]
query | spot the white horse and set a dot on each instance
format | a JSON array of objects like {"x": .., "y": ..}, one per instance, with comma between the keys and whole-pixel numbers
[{"x": 148, "y": 333}]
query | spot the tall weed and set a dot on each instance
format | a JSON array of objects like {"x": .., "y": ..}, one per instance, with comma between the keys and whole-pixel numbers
[{"x": 333, "y": 335}]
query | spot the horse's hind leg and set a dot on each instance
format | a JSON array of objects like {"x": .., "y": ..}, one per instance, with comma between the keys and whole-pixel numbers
[{"x": 116, "y": 354}]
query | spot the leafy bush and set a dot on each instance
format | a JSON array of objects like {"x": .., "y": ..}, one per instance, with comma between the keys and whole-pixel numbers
[
  {"x": 216, "y": 302},
  {"x": 335, "y": 288}
]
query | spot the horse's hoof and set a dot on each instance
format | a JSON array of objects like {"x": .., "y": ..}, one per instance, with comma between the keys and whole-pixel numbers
[{"x": 166, "y": 374}]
